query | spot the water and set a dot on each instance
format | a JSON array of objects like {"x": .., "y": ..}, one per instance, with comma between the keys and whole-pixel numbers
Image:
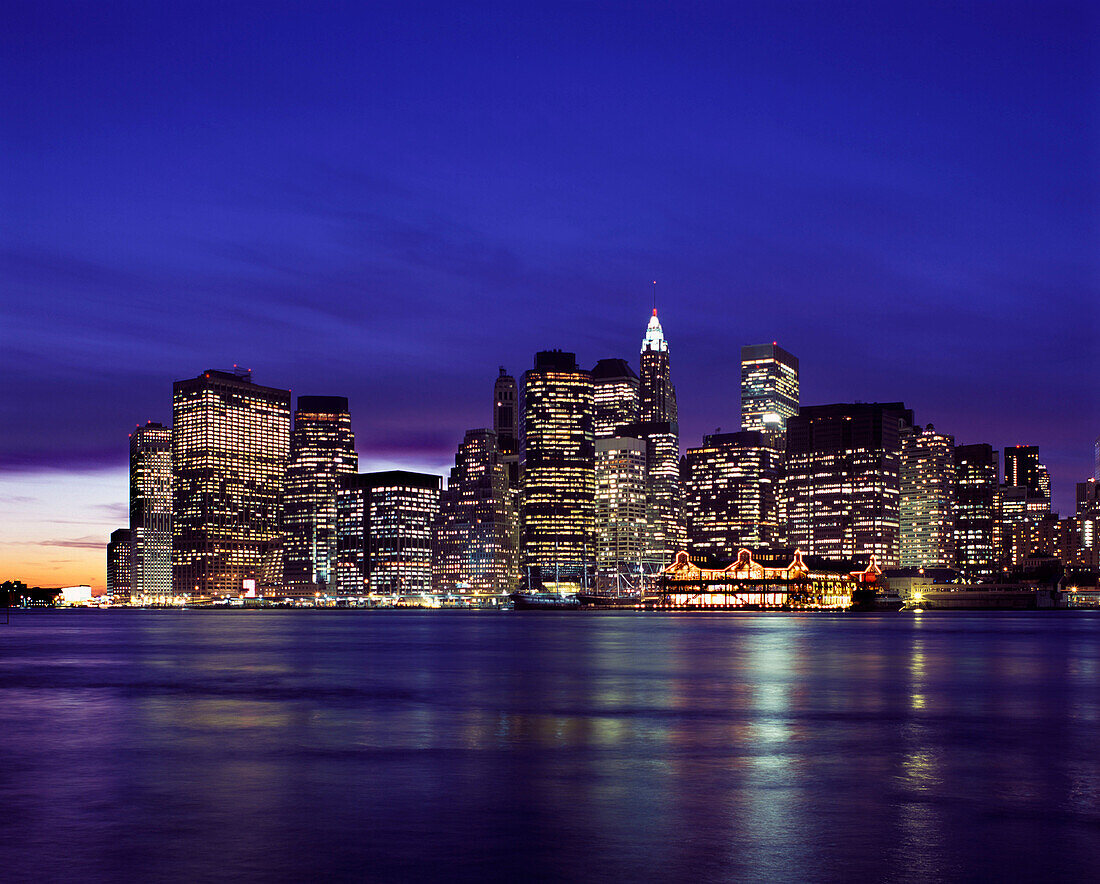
[{"x": 290, "y": 746}]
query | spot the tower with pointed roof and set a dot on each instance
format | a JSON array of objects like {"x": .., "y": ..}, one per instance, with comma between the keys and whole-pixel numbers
[{"x": 658, "y": 399}]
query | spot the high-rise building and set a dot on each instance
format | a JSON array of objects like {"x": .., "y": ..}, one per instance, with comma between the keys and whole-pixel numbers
[
  {"x": 506, "y": 425},
  {"x": 384, "y": 526},
  {"x": 477, "y": 534},
  {"x": 1023, "y": 469},
  {"x": 664, "y": 503},
  {"x": 731, "y": 489},
  {"x": 927, "y": 477},
  {"x": 658, "y": 395},
  {"x": 151, "y": 513},
  {"x": 615, "y": 397},
  {"x": 322, "y": 449},
  {"x": 1012, "y": 512},
  {"x": 119, "y": 566},
  {"x": 976, "y": 520},
  {"x": 622, "y": 524},
  {"x": 230, "y": 441},
  {"x": 769, "y": 390},
  {"x": 558, "y": 468},
  {"x": 842, "y": 483}
]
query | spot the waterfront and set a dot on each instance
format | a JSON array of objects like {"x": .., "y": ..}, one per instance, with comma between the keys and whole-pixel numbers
[{"x": 282, "y": 745}]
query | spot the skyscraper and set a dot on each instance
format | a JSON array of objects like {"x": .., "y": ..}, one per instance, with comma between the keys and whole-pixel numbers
[
  {"x": 927, "y": 498},
  {"x": 731, "y": 488},
  {"x": 658, "y": 395},
  {"x": 664, "y": 504},
  {"x": 119, "y": 566},
  {"x": 477, "y": 534},
  {"x": 1023, "y": 470},
  {"x": 842, "y": 482},
  {"x": 506, "y": 425},
  {"x": 151, "y": 513},
  {"x": 976, "y": 540},
  {"x": 230, "y": 440},
  {"x": 322, "y": 448},
  {"x": 622, "y": 525},
  {"x": 384, "y": 525},
  {"x": 615, "y": 396},
  {"x": 558, "y": 468},
  {"x": 769, "y": 390}
]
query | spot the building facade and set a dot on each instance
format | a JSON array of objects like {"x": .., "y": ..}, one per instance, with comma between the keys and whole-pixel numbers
[
  {"x": 230, "y": 442},
  {"x": 151, "y": 514},
  {"x": 477, "y": 534},
  {"x": 119, "y": 566},
  {"x": 657, "y": 394},
  {"x": 842, "y": 480},
  {"x": 384, "y": 532},
  {"x": 731, "y": 494},
  {"x": 615, "y": 397},
  {"x": 558, "y": 469},
  {"x": 769, "y": 390},
  {"x": 506, "y": 424},
  {"x": 976, "y": 519},
  {"x": 322, "y": 449},
  {"x": 622, "y": 521},
  {"x": 927, "y": 498}
]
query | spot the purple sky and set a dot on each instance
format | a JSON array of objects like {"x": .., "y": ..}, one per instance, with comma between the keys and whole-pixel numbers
[{"x": 387, "y": 202}]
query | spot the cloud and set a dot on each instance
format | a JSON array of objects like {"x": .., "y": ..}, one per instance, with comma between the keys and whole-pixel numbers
[{"x": 87, "y": 542}]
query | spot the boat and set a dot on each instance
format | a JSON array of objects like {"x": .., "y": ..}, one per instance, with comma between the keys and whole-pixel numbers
[
  {"x": 601, "y": 600},
  {"x": 544, "y": 601}
]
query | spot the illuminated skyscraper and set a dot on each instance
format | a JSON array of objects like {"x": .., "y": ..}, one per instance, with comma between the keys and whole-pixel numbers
[
  {"x": 841, "y": 480},
  {"x": 151, "y": 513},
  {"x": 506, "y": 425},
  {"x": 976, "y": 535},
  {"x": 769, "y": 390},
  {"x": 558, "y": 468},
  {"x": 731, "y": 486},
  {"x": 615, "y": 397},
  {"x": 230, "y": 441},
  {"x": 119, "y": 566},
  {"x": 622, "y": 524},
  {"x": 384, "y": 524},
  {"x": 664, "y": 504},
  {"x": 1023, "y": 470},
  {"x": 322, "y": 448},
  {"x": 927, "y": 498},
  {"x": 658, "y": 395},
  {"x": 477, "y": 534}
]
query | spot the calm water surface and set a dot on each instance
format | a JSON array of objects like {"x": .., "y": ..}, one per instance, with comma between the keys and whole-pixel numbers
[{"x": 290, "y": 746}]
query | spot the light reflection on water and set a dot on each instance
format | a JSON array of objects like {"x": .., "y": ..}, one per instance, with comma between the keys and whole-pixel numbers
[{"x": 288, "y": 746}]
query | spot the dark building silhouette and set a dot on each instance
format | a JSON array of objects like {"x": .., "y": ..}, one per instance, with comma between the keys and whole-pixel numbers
[
  {"x": 506, "y": 424},
  {"x": 976, "y": 522},
  {"x": 118, "y": 566}
]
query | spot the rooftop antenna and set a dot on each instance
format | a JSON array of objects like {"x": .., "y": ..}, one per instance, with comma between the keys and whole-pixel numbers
[{"x": 654, "y": 297}]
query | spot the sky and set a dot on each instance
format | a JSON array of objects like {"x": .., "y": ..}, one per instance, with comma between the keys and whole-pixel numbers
[{"x": 389, "y": 201}]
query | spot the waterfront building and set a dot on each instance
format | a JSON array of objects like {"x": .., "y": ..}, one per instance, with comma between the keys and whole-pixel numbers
[
  {"x": 657, "y": 394},
  {"x": 119, "y": 566},
  {"x": 151, "y": 513},
  {"x": 622, "y": 523},
  {"x": 230, "y": 441},
  {"x": 615, "y": 397},
  {"x": 926, "y": 509},
  {"x": 769, "y": 390},
  {"x": 506, "y": 425},
  {"x": 322, "y": 449},
  {"x": 558, "y": 468},
  {"x": 384, "y": 526},
  {"x": 477, "y": 533},
  {"x": 842, "y": 483},
  {"x": 664, "y": 502},
  {"x": 731, "y": 493},
  {"x": 976, "y": 521}
]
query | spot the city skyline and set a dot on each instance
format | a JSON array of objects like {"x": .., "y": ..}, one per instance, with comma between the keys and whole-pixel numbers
[{"x": 903, "y": 197}]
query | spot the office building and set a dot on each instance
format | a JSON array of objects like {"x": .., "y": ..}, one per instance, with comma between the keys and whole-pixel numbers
[
  {"x": 477, "y": 534},
  {"x": 558, "y": 469},
  {"x": 118, "y": 566},
  {"x": 622, "y": 523},
  {"x": 769, "y": 390},
  {"x": 1023, "y": 470},
  {"x": 731, "y": 491},
  {"x": 230, "y": 442},
  {"x": 1012, "y": 512},
  {"x": 926, "y": 510},
  {"x": 664, "y": 503},
  {"x": 976, "y": 519},
  {"x": 615, "y": 397},
  {"x": 384, "y": 528},
  {"x": 151, "y": 513},
  {"x": 322, "y": 449},
  {"x": 658, "y": 395},
  {"x": 842, "y": 482},
  {"x": 506, "y": 425}
]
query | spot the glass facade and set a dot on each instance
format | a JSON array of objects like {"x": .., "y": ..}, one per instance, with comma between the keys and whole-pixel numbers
[
  {"x": 615, "y": 397},
  {"x": 769, "y": 390},
  {"x": 976, "y": 522},
  {"x": 927, "y": 499},
  {"x": 151, "y": 514},
  {"x": 622, "y": 524}
]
